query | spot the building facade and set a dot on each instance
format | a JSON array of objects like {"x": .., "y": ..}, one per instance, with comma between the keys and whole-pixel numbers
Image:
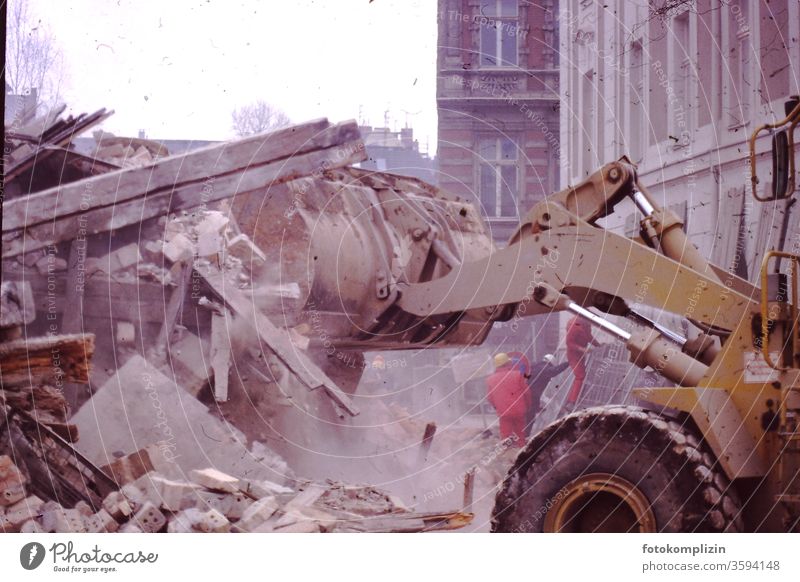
[
  {"x": 396, "y": 152},
  {"x": 498, "y": 108},
  {"x": 679, "y": 91},
  {"x": 497, "y": 99}
]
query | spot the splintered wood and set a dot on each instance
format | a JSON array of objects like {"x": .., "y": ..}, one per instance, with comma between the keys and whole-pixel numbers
[
  {"x": 46, "y": 139},
  {"x": 43, "y": 360}
]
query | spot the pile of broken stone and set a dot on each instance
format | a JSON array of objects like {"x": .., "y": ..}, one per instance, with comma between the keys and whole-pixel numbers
[{"x": 209, "y": 501}]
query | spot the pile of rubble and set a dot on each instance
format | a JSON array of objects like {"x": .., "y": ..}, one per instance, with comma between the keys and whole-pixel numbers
[
  {"x": 176, "y": 209},
  {"x": 144, "y": 251},
  {"x": 126, "y": 152},
  {"x": 213, "y": 502}
]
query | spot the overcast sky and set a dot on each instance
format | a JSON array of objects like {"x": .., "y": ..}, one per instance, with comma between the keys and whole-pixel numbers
[{"x": 177, "y": 68}]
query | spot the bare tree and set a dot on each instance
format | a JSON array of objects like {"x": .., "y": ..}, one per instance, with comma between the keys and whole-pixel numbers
[
  {"x": 257, "y": 117},
  {"x": 664, "y": 9},
  {"x": 33, "y": 60}
]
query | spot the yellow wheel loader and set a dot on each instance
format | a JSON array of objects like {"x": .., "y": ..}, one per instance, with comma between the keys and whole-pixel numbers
[{"x": 719, "y": 450}]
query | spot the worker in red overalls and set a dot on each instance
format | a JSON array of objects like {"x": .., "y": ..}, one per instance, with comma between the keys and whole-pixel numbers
[
  {"x": 579, "y": 338},
  {"x": 509, "y": 394}
]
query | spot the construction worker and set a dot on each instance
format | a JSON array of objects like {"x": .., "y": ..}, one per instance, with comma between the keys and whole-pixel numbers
[
  {"x": 540, "y": 376},
  {"x": 509, "y": 394},
  {"x": 579, "y": 338},
  {"x": 521, "y": 363}
]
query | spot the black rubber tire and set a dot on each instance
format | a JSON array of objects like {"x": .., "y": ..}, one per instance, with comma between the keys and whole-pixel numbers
[{"x": 662, "y": 458}]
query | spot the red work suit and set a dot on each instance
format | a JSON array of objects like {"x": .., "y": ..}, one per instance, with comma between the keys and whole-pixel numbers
[
  {"x": 509, "y": 394},
  {"x": 579, "y": 337}
]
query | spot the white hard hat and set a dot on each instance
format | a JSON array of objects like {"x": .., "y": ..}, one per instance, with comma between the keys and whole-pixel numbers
[{"x": 549, "y": 358}]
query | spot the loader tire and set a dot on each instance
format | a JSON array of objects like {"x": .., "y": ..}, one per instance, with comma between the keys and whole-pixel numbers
[{"x": 616, "y": 469}]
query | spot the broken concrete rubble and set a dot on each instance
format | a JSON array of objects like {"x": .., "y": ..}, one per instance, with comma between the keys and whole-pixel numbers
[
  {"x": 117, "y": 506},
  {"x": 153, "y": 504},
  {"x": 191, "y": 361},
  {"x": 215, "y": 480},
  {"x": 173, "y": 494},
  {"x": 129, "y": 468},
  {"x": 15, "y": 516},
  {"x": 258, "y": 513},
  {"x": 178, "y": 248}
]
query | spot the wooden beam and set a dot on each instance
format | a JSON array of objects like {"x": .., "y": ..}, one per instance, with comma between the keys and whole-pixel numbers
[
  {"x": 72, "y": 318},
  {"x": 56, "y": 136},
  {"x": 103, "y": 218},
  {"x": 407, "y": 522},
  {"x": 113, "y": 188}
]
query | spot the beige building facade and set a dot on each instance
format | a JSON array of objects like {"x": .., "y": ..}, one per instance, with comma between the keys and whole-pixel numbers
[{"x": 679, "y": 92}]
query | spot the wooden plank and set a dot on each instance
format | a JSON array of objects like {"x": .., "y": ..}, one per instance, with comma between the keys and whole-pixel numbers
[
  {"x": 277, "y": 339},
  {"x": 221, "y": 353},
  {"x": 469, "y": 490},
  {"x": 408, "y": 522},
  {"x": 173, "y": 310},
  {"x": 106, "y": 218},
  {"x": 60, "y": 136},
  {"x": 72, "y": 320},
  {"x": 195, "y": 166},
  {"x": 427, "y": 442}
]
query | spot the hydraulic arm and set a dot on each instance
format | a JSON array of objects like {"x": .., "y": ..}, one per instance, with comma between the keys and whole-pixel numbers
[{"x": 560, "y": 248}]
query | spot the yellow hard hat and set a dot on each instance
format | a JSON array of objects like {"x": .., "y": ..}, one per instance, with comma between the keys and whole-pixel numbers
[{"x": 501, "y": 360}]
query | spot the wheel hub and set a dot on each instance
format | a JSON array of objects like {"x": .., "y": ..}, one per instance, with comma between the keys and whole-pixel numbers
[{"x": 600, "y": 502}]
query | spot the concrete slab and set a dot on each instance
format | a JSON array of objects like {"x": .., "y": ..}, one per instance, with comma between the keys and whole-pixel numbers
[{"x": 140, "y": 406}]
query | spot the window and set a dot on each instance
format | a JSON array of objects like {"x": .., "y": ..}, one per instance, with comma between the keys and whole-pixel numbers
[
  {"x": 681, "y": 104},
  {"x": 587, "y": 126},
  {"x": 498, "y": 177},
  {"x": 499, "y": 28},
  {"x": 636, "y": 123},
  {"x": 743, "y": 63}
]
